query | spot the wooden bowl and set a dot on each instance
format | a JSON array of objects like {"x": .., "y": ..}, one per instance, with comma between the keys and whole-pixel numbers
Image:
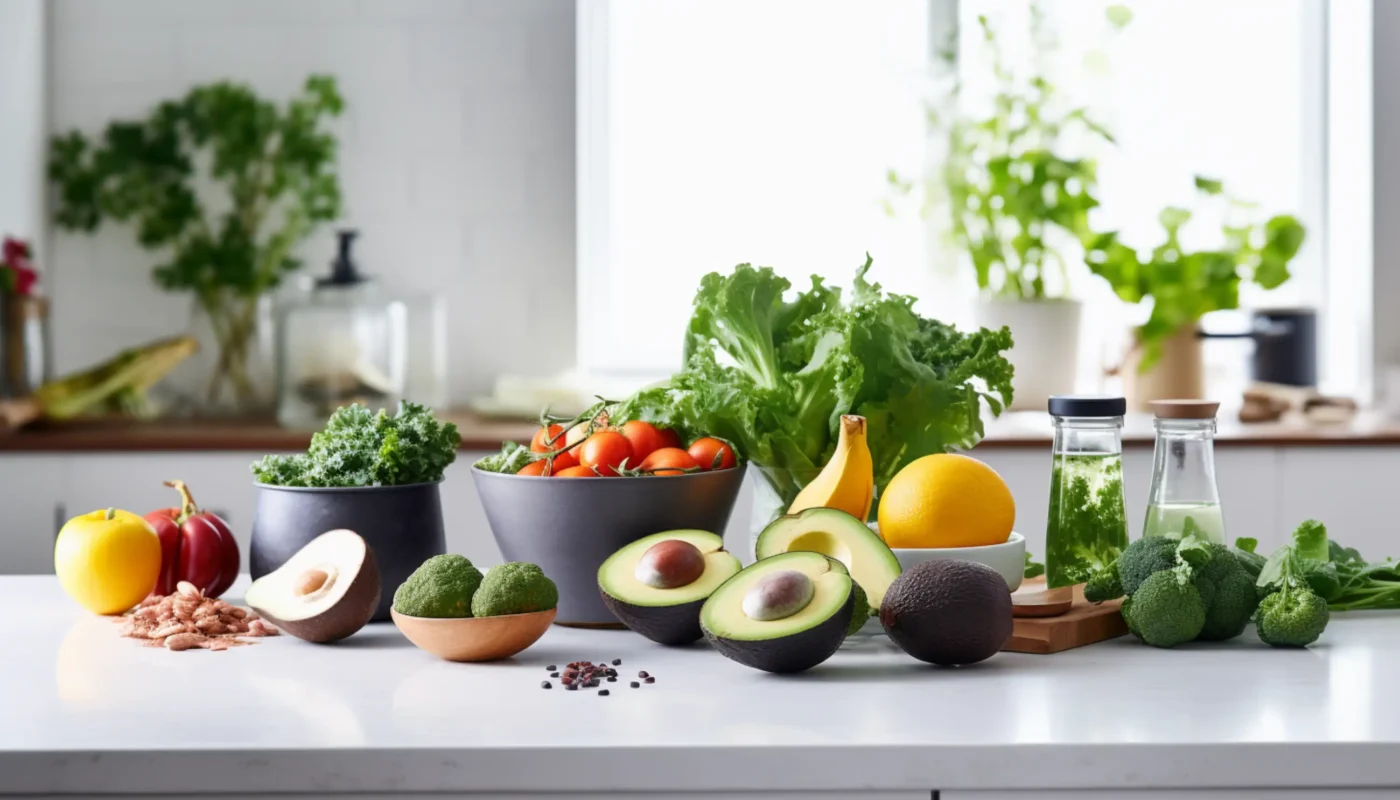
[{"x": 475, "y": 638}]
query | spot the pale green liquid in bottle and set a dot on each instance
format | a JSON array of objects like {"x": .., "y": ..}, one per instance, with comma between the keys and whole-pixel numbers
[{"x": 1169, "y": 519}]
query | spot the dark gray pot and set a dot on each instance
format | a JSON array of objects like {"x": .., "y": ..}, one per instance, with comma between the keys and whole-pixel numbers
[
  {"x": 569, "y": 526},
  {"x": 401, "y": 524}
]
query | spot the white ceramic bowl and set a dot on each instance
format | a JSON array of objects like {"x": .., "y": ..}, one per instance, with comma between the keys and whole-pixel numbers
[{"x": 1007, "y": 558}]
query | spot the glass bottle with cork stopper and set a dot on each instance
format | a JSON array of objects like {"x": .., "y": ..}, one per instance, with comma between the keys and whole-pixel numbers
[
  {"x": 1086, "y": 528},
  {"x": 1183, "y": 471}
]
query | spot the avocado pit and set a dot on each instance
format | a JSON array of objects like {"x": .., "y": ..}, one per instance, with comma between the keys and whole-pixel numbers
[
  {"x": 314, "y": 581},
  {"x": 670, "y": 564},
  {"x": 778, "y": 595}
]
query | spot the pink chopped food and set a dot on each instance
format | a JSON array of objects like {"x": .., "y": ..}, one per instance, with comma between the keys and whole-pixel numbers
[{"x": 187, "y": 620}]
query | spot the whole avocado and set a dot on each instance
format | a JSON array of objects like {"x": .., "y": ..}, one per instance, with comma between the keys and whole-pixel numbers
[
  {"x": 514, "y": 588},
  {"x": 948, "y": 613},
  {"x": 442, "y": 588}
]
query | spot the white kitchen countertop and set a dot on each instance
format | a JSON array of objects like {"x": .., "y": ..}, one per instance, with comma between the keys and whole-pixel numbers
[{"x": 84, "y": 711}]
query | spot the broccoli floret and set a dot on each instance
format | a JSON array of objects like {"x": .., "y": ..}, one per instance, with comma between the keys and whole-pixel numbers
[
  {"x": 1294, "y": 616},
  {"x": 1127, "y": 611},
  {"x": 442, "y": 587},
  {"x": 1106, "y": 584},
  {"x": 1229, "y": 594},
  {"x": 1167, "y": 610},
  {"x": 860, "y": 611},
  {"x": 514, "y": 588},
  {"x": 1148, "y": 555}
]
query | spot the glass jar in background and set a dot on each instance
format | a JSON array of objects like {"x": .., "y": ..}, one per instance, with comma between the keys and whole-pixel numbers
[
  {"x": 1086, "y": 528},
  {"x": 1183, "y": 471}
]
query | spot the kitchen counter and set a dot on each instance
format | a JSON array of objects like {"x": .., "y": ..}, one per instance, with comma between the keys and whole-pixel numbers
[
  {"x": 87, "y": 712},
  {"x": 1018, "y": 430}
]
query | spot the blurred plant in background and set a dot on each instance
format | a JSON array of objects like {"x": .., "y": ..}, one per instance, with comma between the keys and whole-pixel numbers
[
  {"x": 17, "y": 273},
  {"x": 276, "y": 165}
]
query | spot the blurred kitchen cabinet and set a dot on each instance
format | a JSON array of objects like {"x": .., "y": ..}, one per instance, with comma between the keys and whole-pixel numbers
[
  {"x": 32, "y": 487},
  {"x": 468, "y": 533},
  {"x": 1348, "y": 489}
]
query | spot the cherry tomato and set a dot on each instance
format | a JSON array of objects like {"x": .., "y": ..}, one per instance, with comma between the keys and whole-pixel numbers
[
  {"x": 543, "y": 438},
  {"x": 565, "y": 460},
  {"x": 537, "y": 468},
  {"x": 644, "y": 438},
  {"x": 704, "y": 452},
  {"x": 605, "y": 451},
  {"x": 668, "y": 461},
  {"x": 669, "y": 437},
  {"x": 576, "y": 472}
]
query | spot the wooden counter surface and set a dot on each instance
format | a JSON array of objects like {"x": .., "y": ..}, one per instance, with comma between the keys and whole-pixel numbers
[{"x": 1017, "y": 430}]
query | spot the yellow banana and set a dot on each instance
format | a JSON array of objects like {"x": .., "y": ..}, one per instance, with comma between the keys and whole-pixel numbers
[{"x": 847, "y": 482}]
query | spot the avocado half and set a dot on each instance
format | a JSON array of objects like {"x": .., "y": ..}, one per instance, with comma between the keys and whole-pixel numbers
[
  {"x": 794, "y": 643},
  {"x": 666, "y": 616},
  {"x": 327, "y": 590},
  {"x": 840, "y": 536}
]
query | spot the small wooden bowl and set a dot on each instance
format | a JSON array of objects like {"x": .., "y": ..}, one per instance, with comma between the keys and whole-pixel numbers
[{"x": 475, "y": 638}]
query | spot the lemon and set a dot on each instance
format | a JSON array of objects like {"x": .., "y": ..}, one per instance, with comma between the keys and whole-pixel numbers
[{"x": 946, "y": 501}]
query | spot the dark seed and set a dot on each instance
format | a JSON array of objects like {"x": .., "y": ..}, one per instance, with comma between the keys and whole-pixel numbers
[
  {"x": 634, "y": 685},
  {"x": 617, "y": 662},
  {"x": 546, "y": 685},
  {"x": 573, "y": 687},
  {"x": 650, "y": 680},
  {"x": 603, "y": 693},
  {"x": 612, "y": 680},
  {"x": 553, "y": 674},
  {"x": 642, "y": 674},
  {"x": 551, "y": 668}
]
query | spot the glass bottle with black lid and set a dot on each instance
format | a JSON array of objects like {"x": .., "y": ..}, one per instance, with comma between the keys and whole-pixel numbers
[{"x": 1087, "y": 527}]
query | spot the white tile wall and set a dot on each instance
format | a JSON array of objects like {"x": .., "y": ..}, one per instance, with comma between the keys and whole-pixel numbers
[{"x": 457, "y": 157}]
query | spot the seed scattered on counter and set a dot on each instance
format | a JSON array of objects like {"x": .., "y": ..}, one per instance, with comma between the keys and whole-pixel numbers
[
  {"x": 546, "y": 685},
  {"x": 649, "y": 679},
  {"x": 634, "y": 685},
  {"x": 603, "y": 693},
  {"x": 551, "y": 668},
  {"x": 612, "y": 679},
  {"x": 642, "y": 674},
  {"x": 617, "y": 662},
  {"x": 553, "y": 674}
]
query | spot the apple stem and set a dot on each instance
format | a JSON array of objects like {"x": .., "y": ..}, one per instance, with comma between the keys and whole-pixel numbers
[
  {"x": 111, "y": 514},
  {"x": 187, "y": 506}
]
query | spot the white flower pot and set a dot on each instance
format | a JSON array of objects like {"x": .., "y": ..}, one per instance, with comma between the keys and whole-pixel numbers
[{"x": 1046, "y": 354}]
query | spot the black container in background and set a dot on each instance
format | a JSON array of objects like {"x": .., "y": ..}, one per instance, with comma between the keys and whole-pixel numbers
[
  {"x": 401, "y": 524},
  {"x": 1285, "y": 345}
]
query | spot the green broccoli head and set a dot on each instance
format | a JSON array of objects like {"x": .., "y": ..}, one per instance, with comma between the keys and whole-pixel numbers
[
  {"x": 1167, "y": 610},
  {"x": 1104, "y": 585},
  {"x": 861, "y": 611},
  {"x": 442, "y": 587},
  {"x": 1228, "y": 592},
  {"x": 1127, "y": 611},
  {"x": 1294, "y": 616},
  {"x": 1144, "y": 557},
  {"x": 514, "y": 588}
]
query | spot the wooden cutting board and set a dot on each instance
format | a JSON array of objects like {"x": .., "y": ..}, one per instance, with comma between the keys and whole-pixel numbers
[{"x": 1084, "y": 623}]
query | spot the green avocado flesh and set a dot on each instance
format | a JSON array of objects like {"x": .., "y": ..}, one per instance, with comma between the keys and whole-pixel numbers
[
  {"x": 839, "y": 535},
  {"x": 617, "y": 576},
  {"x": 723, "y": 616}
]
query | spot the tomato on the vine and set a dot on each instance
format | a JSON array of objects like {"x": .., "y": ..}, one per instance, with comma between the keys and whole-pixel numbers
[
  {"x": 576, "y": 472},
  {"x": 605, "y": 451},
  {"x": 668, "y": 461},
  {"x": 565, "y": 460},
  {"x": 669, "y": 438},
  {"x": 644, "y": 438},
  {"x": 711, "y": 453},
  {"x": 547, "y": 439},
  {"x": 537, "y": 468}
]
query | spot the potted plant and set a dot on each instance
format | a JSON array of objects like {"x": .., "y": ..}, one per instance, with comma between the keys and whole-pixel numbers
[
  {"x": 276, "y": 165},
  {"x": 1182, "y": 285},
  {"x": 1016, "y": 197}
]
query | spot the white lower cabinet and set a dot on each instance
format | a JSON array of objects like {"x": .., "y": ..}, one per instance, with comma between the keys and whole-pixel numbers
[
  {"x": 1266, "y": 492},
  {"x": 1171, "y": 794}
]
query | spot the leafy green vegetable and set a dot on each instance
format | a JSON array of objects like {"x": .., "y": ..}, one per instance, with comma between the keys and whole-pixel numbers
[
  {"x": 361, "y": 448},
  {"x": 1105, "y": 585},
  {"x": 774, "y": 375},
  {"x": 1337, "y": 574},
  {"x": 1034, "y": 569},
  {"x": 1184, "y": 285},
  {"x": 1180, "y": 586},
  {"x": 1143, "y": 557},
  {"x": 1166, "y": 610},
  {"x": 512, "y": 458}
]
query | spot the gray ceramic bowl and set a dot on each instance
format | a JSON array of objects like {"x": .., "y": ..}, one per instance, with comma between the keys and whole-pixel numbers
[
  {"x": 401, "y": 524},
  {"x": 569, "y": 526}
]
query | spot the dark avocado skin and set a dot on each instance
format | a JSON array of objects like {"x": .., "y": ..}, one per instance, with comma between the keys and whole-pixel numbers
[
  {"x": 795, "y": 653},
  {"x": 948, "y": 613},
  {"x": 345, "y": 618},
  {"x": 668, "y": 625}
]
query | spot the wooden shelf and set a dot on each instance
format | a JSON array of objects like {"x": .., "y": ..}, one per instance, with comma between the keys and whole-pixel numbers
[{"x": 1021, "y": 430}]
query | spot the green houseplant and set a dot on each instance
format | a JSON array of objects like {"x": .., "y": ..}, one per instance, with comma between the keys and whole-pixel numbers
[
  {"x": 274, "y": 164},
  {"x": 1014, "y": 189},
  {"x": 1181, "y": 285}
]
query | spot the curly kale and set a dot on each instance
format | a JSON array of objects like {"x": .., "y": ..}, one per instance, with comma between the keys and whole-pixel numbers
[{"x": 361, "y": 448}]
